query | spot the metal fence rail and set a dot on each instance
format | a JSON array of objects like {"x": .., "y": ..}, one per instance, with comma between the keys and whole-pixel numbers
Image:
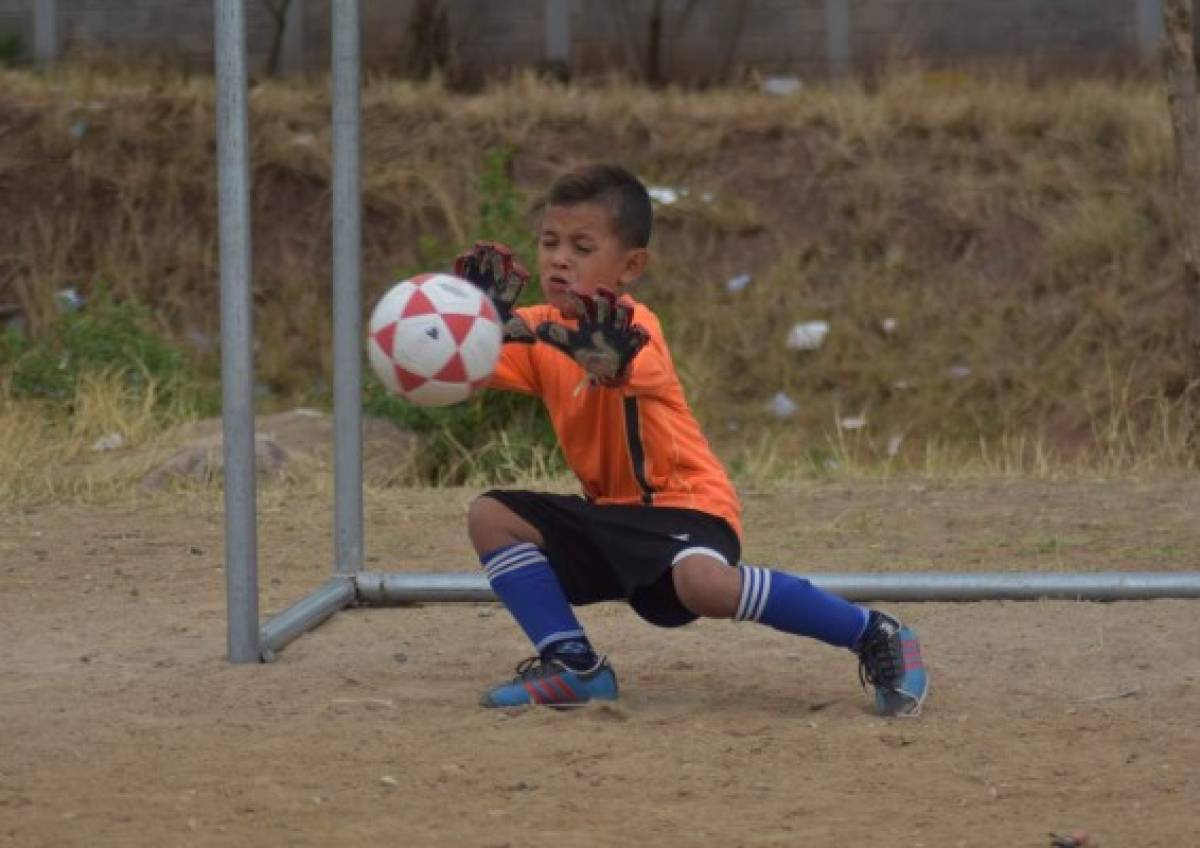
[
  {"x": 391, "y": 587},
  {"x": 705, "y": 40}
]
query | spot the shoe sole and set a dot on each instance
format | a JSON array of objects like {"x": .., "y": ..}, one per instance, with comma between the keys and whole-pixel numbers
[
  {"x": 565, "y": 705},
  {"x": 904, "y": 704},
  {"x": 900, "y": 706}
]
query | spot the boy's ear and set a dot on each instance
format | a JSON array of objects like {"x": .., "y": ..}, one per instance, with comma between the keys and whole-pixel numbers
[{"x": 635, "y": 265}]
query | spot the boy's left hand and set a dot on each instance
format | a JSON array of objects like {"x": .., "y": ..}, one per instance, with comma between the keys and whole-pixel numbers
[
  {"x": 493, "y": 268},
  {"x": 606, "y": 340}
]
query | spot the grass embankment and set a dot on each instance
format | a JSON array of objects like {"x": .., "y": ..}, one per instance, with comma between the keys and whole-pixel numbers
[{"x": 994, "y": 258}]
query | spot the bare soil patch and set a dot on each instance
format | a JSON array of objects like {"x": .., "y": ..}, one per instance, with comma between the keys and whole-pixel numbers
[{"x": 124, "y": 725}]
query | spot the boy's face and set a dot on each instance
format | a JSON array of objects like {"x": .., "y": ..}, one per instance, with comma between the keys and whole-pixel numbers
[{"x": 578, "y": 251}]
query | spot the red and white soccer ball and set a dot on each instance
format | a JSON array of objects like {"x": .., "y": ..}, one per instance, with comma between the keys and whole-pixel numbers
[{"x": 434, "y": 340}]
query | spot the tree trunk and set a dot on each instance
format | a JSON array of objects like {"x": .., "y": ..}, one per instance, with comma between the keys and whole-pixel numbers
[
  {"x": 654, "y": 44},
  {"x": 731, "y": 41},
  {"x": 1180, "y": 62},
  {"x": 279, "y": 11}
]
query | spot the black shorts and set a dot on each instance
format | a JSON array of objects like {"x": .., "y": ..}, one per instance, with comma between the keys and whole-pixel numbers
[{"x": 608, "y": 553}]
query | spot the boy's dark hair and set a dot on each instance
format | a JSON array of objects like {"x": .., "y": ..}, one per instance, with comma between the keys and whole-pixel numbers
[{"x": 614, "y": 187}]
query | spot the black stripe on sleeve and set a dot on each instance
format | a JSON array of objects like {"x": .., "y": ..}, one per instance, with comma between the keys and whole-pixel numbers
[{"x": 633, "y": 434}]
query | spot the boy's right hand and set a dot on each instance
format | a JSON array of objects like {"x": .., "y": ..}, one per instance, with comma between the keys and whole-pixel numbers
[
  {"x": 606, "y": 340},
  {"x": 493, "y": 268}
]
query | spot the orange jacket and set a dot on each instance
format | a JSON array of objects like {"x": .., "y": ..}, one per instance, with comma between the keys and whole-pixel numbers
[{"x": 639, "y": 444}]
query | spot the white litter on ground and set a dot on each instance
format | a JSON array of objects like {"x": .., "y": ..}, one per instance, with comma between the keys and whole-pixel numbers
[
  {"x": 665, "y": 194},
  {"x": 781, "y": 86},
  {"x": 736, "y": 284},
  {"x": 808, "y": 335},
  {"x": 782, "y": 406},
  {"x": 111, "y": 441}
]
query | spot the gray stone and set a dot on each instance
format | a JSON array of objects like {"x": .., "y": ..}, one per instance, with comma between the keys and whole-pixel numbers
[{"x": 280, "y": 440}]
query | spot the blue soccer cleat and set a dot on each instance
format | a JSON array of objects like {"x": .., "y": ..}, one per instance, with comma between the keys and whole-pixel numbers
[
  {"x": 554, "y": 684},
  {"x": 889, "y": 656}
]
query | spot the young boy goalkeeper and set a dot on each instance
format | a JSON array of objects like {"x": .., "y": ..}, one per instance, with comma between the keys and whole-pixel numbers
[{"x": 658, "y": 523}]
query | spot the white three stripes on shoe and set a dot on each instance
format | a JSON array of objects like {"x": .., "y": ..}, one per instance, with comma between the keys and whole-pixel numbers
[
  {"x": 510, "y": 559},
  {"x": 756, "y": 586}
]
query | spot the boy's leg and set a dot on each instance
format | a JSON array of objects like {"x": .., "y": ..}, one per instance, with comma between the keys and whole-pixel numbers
[
  {"x": 566, "y": 670},
  {"x": 889, "y": 653},
  {"x": 792, "y": 604}
]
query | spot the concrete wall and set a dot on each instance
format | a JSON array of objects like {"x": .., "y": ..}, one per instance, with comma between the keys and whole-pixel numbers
[{"x": 703, "y": 39}]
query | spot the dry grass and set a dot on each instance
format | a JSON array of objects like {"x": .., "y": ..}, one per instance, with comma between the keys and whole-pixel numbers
[
  {"x": 45, "y": 454},
  {"x": 1019, "y": 236}
]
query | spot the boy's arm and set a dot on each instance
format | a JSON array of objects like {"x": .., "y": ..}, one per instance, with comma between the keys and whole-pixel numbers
[
  {"x": 492, "y": 267},
  {"x": 516, "y": 370},
  {"x": 651, "y": 370}
]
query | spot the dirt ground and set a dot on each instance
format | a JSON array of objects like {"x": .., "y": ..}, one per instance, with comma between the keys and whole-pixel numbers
[{"x": 121, "y": 723}]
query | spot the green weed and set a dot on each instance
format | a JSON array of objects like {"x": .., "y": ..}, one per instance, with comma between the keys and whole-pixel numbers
[
  {"x": 12, "y": 52},
  {"x": 106, "y": 336}
]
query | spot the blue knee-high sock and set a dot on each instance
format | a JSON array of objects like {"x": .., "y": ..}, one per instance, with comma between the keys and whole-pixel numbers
[
  {"x": 523, "y": 580},
  {"x": 794, "y": 605}
]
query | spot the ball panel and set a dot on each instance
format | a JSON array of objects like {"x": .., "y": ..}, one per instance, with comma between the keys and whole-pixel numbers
[
  {"x": 438, "y": 393},
  {"x": 451, "y": 295},
  {"x": 383, "y": 366},
  {"x": 417, "y": 304},
  {"x": 407, "y": 380},
  {"x": 385, "y": 338},
  {"x": 481, "y": 349},
  {"x": 423, "y": 344},
  {"x": 390, "y": 306},
  {"x": 454, "y": 372},
  {"x": 487, "y": 309},
  {"x": 459, "y": 325}
]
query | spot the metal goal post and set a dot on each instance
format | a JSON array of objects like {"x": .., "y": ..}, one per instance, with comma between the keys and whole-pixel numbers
[{"x": 350, "y": 584}]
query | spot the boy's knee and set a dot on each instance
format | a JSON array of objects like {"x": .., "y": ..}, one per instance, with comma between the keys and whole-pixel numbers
[
  {"x": 493, "y": 525},
  {"x": 707, "y": 586},
  {"x": 484, "y": 511}
]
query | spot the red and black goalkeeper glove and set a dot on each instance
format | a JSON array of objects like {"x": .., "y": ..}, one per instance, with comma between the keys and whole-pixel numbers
[
  {"x": 606, "y": 340},
  {"x": 493, "y": 268}
]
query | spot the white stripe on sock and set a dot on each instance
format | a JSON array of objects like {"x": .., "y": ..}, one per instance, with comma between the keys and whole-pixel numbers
[
  {"x": 747, "y": 576},
  {"x": 756, "y": 587},
  {"x": 561, "y": 636},
  {"x": 763, "y": 595},
  {"x": 517, "y": 551},
  {"x": 750, "y": 581},
  {"x": 511, "y": 551},
  {"x": 496, "y": 571},
  {"x": 512, "y": 558}
]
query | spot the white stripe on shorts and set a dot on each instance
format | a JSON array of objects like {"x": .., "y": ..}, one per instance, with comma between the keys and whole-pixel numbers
[{"x": 709, "y": 552}]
